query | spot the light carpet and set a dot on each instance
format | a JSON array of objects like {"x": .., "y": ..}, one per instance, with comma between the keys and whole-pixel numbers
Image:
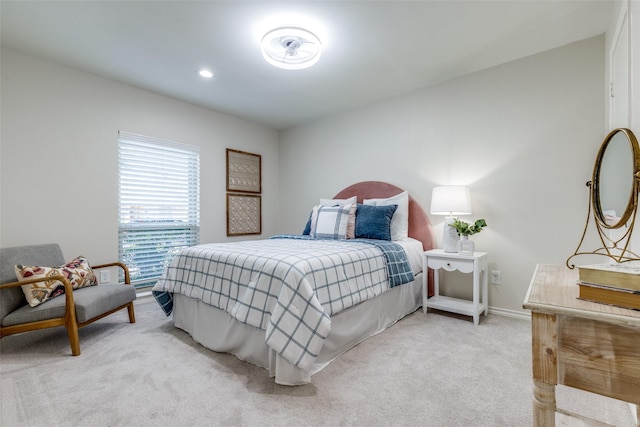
[{"x": 431, "y": 370}]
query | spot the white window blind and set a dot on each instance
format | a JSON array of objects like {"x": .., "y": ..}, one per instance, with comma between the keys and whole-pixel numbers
[{"x": 158, "y": 203}]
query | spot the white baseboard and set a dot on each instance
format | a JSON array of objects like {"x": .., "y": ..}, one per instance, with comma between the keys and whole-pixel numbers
[
  {"x": 145, "y": 293},
  {"x": 524, "y": 315}
]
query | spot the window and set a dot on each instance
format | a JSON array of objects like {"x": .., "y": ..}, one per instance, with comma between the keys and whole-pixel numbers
[{"x": 158, "y": 203}]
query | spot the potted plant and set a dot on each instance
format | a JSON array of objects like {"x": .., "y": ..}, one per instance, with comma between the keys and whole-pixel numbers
[{"x": 466, "y": 229}]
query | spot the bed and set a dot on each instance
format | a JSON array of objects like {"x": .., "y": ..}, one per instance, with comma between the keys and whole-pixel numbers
[{"x": 292, "y": 304}]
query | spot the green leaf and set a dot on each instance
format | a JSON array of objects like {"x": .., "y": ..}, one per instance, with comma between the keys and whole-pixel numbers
[{"x": 466, "y": 229}]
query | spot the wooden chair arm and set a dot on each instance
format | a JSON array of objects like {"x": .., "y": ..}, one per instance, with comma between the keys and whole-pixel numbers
[
  {"x": 125, "y": 269},
  {"x": 65, "y": 282},
  {"x": 69, "y": 317},
  {"x": 68, "y": 290}
]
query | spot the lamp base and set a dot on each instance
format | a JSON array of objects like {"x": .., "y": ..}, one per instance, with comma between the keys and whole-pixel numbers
[{"x": 450, "y": 237}]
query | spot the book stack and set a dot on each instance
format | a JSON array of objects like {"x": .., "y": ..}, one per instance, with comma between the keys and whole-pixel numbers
[{"x": 613, "y": 284}]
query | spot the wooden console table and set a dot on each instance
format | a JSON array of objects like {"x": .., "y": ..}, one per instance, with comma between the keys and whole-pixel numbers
[{"x": 581, "y": 344}]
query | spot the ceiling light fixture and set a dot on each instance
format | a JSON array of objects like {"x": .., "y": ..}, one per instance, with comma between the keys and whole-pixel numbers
[
  {"x": 205, "y": 73},
  {"x": 291, "y": 48}
]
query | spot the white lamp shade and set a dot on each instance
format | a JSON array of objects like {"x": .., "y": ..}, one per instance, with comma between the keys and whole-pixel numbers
[{"x": 451, "y": 200}]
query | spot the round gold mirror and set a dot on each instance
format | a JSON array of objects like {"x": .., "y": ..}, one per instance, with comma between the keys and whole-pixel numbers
[
  {"x": 613, "y": 197},
  {"x": 615, "y": 179}
]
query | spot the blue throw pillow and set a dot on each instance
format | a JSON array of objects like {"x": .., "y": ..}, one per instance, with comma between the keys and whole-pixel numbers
[
  {"x": 374, "y": 222},
  {"x": 307, "y": 228}
]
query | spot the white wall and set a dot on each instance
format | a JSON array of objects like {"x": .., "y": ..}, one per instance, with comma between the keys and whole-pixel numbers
[
  {"x": 623, "y": 54},
  {"x": 522, "y": 135},
  {"x": 59, "y": 155}
]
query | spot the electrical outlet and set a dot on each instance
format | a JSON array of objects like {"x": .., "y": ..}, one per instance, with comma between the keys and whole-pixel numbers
[
  {"x": 496, "y": 277},
  {"x": 105, "y": 276}
]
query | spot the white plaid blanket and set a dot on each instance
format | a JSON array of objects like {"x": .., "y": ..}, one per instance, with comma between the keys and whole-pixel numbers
[{"x": 288, "y": 287}]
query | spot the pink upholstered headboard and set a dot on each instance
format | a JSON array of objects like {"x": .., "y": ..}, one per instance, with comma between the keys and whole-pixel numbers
[{"x": 419, "y": 224}]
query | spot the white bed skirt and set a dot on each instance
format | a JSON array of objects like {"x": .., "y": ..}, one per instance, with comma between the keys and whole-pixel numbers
[{"x": 216, "y": 330}]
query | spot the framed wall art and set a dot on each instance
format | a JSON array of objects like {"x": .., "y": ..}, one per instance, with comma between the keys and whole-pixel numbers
[
  {"x": 244, "y": 172},
  {"x": 244, "y": 214}
]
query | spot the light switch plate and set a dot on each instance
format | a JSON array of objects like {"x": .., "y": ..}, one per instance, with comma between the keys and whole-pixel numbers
[
  {"x": 496, "y": 277},
  {"x": 105, "y": 276}
]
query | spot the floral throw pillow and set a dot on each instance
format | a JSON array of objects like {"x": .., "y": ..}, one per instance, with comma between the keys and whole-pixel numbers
[{"x": 78, "y": 272}]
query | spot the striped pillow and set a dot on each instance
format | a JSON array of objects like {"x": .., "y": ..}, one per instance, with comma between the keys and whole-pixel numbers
[
  {"x": 330, "y": 222},
  {"x": 351, "y": 226}
]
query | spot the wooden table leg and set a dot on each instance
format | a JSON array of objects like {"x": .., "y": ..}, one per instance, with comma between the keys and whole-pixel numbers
[
  {"x": 544, "y": 404},
  {"x": 545, "y": 371}
]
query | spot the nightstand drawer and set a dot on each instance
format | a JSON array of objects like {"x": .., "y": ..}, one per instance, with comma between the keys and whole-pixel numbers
[{"x": 463, "y": 265}]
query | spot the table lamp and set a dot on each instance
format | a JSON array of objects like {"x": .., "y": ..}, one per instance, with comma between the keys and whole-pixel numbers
[{"x": 450, "y": 200}]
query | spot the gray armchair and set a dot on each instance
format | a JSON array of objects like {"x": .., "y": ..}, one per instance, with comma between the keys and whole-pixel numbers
[{"x": 73, "y": 310}]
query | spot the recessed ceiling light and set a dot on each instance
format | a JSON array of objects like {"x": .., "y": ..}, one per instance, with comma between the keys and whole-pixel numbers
[
  {"x": 291, "y": 48},
  {"x": 205, "y": 73}
]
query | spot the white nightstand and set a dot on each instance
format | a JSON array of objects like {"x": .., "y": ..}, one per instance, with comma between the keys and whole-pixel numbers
[{"x": 476, "y": 264}]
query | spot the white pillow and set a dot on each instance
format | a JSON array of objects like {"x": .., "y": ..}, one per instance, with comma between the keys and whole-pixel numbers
[
  {"x": 353, "y": 201},
  {"x": 330, "y": 222},
  {"x": 400, "y": 220},
  {"x": 333, "y": 202}
]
